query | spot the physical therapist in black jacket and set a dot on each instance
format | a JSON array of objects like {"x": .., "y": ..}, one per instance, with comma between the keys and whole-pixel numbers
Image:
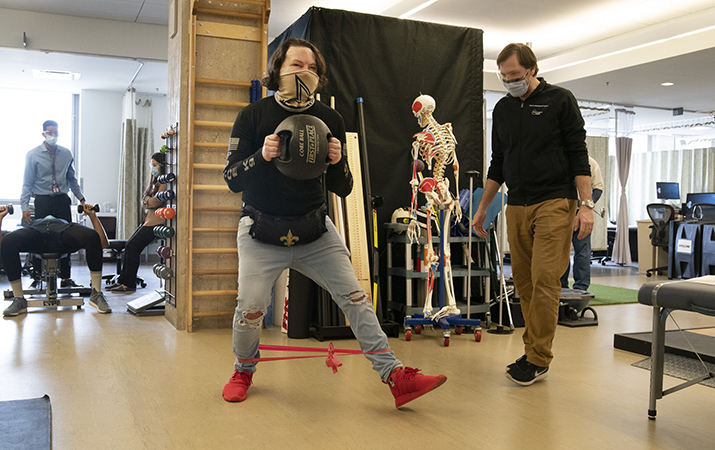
[{"x": 538, "y": 150}]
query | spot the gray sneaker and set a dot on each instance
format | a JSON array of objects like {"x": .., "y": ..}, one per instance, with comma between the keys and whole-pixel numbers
[
  {"x": 18, "y": 306},
  {"x": 98, "y": 301}
]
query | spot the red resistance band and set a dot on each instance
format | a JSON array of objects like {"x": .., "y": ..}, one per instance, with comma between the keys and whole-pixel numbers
[{"x": 331, "y": 360}]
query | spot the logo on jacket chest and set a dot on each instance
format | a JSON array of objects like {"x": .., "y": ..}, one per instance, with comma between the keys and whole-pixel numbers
[{"x": 539, "y": 111}]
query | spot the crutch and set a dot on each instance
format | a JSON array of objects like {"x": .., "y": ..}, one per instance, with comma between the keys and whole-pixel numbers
[{"x": 500, "y": 327}]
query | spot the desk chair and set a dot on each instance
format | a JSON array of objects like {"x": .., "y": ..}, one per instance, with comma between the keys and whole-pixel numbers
[
  {"x": 661, "y": 215},
  {"x": 117, "y": 247},
  {"x": 705, "y": 213},
  {"x": 611, "y": 242},
  {"x": 708, "y": 246}
]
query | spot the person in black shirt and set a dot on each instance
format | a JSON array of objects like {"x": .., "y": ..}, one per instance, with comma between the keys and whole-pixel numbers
[
  {"x": 53, "y": 235},
  {"x": 296, "y": 70},
  {"x": 539, "y": 151}
]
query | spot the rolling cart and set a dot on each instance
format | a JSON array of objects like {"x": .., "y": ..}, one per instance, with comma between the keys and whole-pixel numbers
[{"x": 414, "y": 318}]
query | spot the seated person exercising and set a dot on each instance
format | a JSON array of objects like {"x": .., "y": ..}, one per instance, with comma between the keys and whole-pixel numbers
[
  {"x": 127, "y": 281},
  {"x": 51, "y": 235}
]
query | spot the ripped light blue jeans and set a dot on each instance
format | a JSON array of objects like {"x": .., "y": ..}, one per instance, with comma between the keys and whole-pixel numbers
[{"x": 327, "y": 262}]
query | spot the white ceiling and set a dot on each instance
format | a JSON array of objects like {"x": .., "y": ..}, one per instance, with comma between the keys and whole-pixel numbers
[
  {"x": 97, "y": 73},
  {"x": 587, "y": 35},
  {"x": 154, "y": 12}
]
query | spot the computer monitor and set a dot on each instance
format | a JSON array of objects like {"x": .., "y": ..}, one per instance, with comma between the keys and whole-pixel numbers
[
  {"x": 667, "y": 190},
  {"x": 693, "y": 199}
]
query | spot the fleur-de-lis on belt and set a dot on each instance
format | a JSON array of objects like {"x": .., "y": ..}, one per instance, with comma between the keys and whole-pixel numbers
[{"x": 289, "y": 239}]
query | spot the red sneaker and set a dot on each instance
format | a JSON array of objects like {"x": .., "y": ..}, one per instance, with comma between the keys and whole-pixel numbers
[
  {"x": 235, "y": 389},
  {"x": 406, "y": 384}
]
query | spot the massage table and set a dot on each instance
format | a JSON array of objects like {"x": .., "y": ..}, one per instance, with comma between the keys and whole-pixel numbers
[{"x": 696, "y": 295}]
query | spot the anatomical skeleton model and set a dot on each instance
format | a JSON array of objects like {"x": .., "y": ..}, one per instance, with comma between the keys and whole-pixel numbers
[{"x": 435, "y": 145}]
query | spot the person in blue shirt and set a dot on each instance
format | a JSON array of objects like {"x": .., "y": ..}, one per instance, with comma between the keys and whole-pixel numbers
[{"x": 49, "y": 176}]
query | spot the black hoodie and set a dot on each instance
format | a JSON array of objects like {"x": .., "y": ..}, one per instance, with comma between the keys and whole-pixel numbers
[{"x": 538, "y": 145}]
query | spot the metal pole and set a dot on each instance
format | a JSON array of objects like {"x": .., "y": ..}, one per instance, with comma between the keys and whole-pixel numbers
[{"x": 469, "y": 247}]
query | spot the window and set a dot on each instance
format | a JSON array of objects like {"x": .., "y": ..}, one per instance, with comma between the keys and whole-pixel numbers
[{"x": 21, "y": 118}]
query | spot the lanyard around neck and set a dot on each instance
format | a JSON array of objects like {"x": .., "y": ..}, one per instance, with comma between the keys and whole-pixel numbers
[{"x": 54, "y": 154}]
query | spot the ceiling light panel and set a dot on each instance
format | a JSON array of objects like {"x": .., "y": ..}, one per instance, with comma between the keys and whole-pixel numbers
[{"x": 56, "y": 75}]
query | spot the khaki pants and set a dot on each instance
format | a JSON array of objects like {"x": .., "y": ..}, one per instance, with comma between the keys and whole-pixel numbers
[{"x": 539, "y": 242}]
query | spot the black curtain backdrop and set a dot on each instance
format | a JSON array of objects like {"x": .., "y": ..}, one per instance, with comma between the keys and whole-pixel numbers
[{"x": 389, "y": 62}]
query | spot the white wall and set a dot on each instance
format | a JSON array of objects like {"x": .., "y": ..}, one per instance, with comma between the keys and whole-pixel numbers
[
  {"x": 100, "y": 111},
  {"x": 100, "y": 131},
  {"x": 160, "y": 113}
]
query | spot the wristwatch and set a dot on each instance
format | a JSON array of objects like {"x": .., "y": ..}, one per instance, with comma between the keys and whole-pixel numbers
[{"x": 588, "y": 204}]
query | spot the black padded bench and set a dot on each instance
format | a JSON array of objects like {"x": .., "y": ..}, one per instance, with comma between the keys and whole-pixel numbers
[{"x": 695, "y": 294}]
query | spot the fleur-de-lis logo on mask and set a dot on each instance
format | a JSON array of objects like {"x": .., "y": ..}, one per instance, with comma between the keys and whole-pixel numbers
[{"x": 289, "y": 239}]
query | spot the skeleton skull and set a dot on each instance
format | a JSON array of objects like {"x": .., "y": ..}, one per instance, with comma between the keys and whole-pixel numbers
[{"x": 422, "y": 108}]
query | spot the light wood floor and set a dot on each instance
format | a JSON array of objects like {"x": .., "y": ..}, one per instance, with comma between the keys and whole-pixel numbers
[{"x": 122, "y": 382}]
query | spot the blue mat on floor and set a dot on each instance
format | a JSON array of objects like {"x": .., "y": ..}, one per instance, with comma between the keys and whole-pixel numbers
[{"x": 26, "y": 424}]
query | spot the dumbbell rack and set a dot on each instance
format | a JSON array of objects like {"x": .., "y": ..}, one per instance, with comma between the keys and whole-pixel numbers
[
  {"x": 170, "y": 166},
  {"x": 166, "y": 269}
]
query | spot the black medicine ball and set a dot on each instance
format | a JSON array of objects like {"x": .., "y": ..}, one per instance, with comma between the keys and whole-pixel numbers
[{"x": 304, "y": 147}]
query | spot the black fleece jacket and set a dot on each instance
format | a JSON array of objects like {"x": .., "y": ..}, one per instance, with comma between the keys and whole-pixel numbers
[
  {"x": 538, "y": 145},
  {"x": 263, "y": 186}
]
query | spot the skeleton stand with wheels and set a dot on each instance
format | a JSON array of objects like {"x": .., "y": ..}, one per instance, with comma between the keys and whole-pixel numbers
[{"x": 435, "y": 145}]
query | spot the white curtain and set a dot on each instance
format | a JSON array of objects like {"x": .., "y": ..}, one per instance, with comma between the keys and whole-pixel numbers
[
  {"x": 134, "y": 171},
  {"x": 598, "y": 150},
  {"x": 624, "y": 128},
  {"x": 694, "y": 169}
]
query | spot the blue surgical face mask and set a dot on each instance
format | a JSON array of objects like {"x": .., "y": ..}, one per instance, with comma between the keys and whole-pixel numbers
[
  {"x": 51, "y": 140},
  {"x": 155, "y": 171}
]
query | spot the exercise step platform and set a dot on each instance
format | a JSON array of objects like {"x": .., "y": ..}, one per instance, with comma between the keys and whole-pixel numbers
[
  {"x": 148, "y": 305},
  {"x": 677, "y": 342},
  {"x": 573, "y": 305}
]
